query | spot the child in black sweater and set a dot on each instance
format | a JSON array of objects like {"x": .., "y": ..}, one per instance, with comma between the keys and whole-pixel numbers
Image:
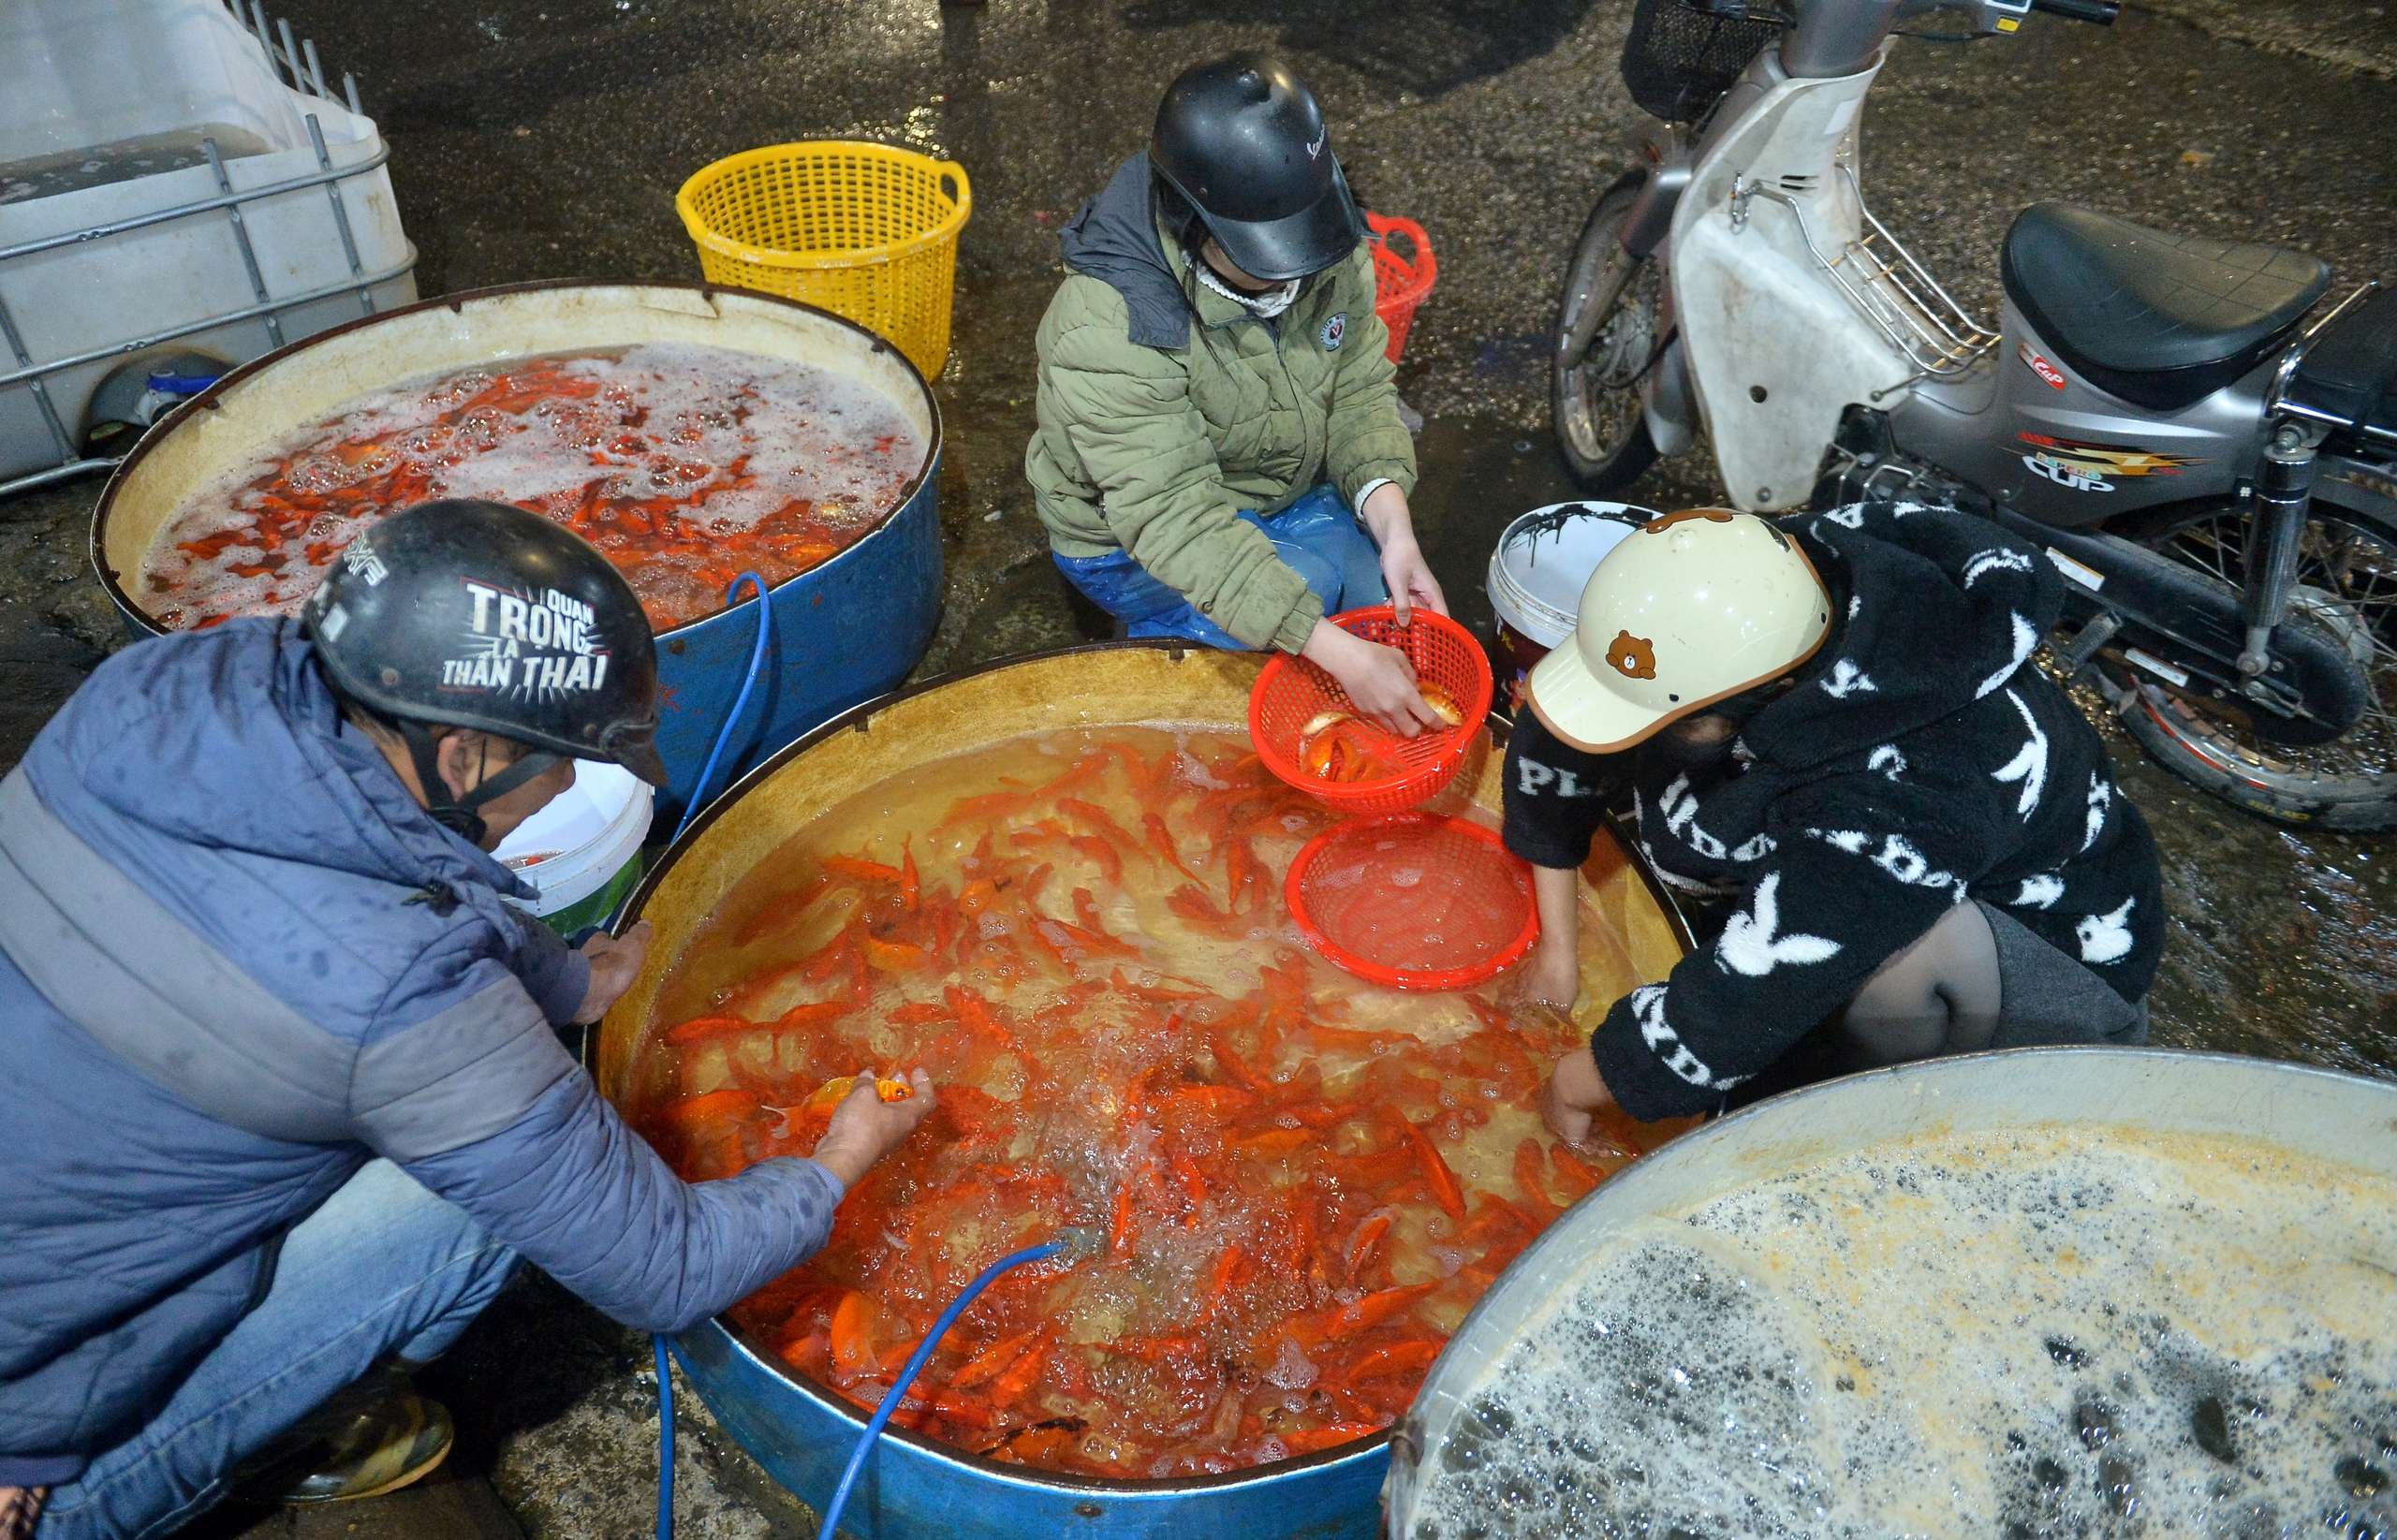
[{"x": 1832, "y": 725}]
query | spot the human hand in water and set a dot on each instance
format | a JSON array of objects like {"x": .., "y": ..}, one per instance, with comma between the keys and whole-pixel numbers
[
  {"x": 865, "y": 1127},
  {"x": 1379, "y": 679},
  {"x": 1573, "y": 1098},
  {"x": 614, "y": 960},
  {"x": 1551, "y": 977}
]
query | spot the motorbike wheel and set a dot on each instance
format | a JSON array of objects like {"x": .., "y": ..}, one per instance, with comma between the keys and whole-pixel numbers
[
  {"x": 2347, "y": 582},
  {"x": 1600, "y": 420}
]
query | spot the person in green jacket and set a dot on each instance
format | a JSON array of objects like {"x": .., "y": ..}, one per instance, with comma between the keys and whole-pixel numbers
[{"x": 1217, "y": 412}]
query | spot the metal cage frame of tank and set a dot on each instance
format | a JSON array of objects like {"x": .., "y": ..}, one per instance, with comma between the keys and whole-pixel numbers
[{"x": 286, "y": 55}]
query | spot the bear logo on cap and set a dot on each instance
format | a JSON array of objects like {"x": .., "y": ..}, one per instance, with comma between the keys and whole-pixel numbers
[{"x": 1633, "y": 657}]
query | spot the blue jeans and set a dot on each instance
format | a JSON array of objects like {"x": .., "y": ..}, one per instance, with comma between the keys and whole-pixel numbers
[
  {"x": 381, "y": 1266},
  {"x": 1317, "y": 537}
]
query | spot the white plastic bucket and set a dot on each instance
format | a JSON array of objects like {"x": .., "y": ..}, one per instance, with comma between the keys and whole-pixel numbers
[
  {"x": 577, "y": 847},
  {"x": 1539, "y": 569}
]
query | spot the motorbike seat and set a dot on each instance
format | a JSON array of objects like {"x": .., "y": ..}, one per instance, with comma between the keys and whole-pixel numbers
[{"x": 2161, "y": 320}]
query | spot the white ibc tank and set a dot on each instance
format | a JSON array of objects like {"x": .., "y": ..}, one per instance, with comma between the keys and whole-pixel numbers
[{"x": 107, "y": 104}]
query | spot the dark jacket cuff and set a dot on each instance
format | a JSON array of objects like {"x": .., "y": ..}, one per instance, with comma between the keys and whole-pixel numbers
[
  {"x": 1559, "y": 840},
  {"x": 1640, "y": 1083}
]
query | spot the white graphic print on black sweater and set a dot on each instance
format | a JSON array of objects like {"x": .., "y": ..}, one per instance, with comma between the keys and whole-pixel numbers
[{"x": 1924, "y": 761}]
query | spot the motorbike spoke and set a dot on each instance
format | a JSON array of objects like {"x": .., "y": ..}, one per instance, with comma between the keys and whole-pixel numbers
[{"x": 2348, "y": 577}]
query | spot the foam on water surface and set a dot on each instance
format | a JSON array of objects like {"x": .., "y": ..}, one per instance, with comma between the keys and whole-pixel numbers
[
  {"x": 2055, "y": 1333},
  {"x": 686, "y": 464}
]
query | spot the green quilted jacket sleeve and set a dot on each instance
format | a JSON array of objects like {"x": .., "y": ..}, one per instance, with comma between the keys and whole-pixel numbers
[
  {"x": 1364, "y": 439},
  {"x": 1125, "y": 411}
]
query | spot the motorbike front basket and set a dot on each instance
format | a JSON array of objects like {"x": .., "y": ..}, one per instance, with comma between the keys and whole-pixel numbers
[{"x": 1682, "y": 57}]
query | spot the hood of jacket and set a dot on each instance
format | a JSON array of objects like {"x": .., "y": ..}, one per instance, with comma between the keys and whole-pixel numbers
[
  {"x": 1114, "y": 239},
  {"x": 1942, "y": 609},
  {"x": 232, "y": 740}
]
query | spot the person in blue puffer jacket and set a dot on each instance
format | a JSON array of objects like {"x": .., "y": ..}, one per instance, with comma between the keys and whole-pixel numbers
[{"x": 281, "y": 1099}]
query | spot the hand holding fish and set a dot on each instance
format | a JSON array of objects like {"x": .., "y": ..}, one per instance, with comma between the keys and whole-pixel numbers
[
  {"x": 865, "y": 1127},
  {"x": 1379, "y": 679}
]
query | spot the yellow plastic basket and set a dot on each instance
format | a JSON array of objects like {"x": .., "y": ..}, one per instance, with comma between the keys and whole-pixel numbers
[{"x": 864, "y": 231}]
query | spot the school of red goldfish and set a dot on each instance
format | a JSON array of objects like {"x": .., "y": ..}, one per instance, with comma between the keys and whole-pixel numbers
[
  {"x": 1305, "y": 1182},
  {"x": 631, "y": 481}
]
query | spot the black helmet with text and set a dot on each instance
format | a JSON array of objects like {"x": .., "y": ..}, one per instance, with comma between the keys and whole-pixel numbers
[
  {"x": 480, "y": 615},
  {"x": 1241, "y": 140}
]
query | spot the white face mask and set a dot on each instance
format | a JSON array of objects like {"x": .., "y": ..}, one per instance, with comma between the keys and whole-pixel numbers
[{"x": 1264, "y": 306}]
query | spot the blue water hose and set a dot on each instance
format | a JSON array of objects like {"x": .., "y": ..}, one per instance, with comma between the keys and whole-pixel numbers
[
  {"x": 665, "y": 1440},
  {"x": 915, "y": 1362},
  {"x": 740, "y": 702},
  {"x": 898, "y": 1391},
  {"x": 723, "y": 736},
  {"x": 698, "y": 795},
  {"x": 924, "y": 1350}
]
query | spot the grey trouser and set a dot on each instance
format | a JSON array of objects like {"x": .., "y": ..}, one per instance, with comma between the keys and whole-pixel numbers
[{"x": 1977, "y": 979}]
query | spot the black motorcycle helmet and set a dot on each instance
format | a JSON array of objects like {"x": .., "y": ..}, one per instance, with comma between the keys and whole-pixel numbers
[
  {"x": 1241, "y": 140},
  {"x": 472, "y": 614}
]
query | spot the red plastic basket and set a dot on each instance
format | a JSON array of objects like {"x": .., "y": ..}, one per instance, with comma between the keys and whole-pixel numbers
[
  {"x": 1400, "y": 285},
  {"x": 1291, "y": 691},
  {"x": 1414, "y": 901}
]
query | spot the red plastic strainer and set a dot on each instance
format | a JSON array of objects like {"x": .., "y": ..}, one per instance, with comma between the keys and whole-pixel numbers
[
  {"x": 1414, "y": 901},
  {"x": 1289, "y": 691}
]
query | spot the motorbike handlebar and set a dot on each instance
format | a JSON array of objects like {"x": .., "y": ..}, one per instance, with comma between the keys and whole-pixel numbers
[{"x": 2100, "y": 12}]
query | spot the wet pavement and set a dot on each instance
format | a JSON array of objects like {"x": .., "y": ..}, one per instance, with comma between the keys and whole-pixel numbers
[{"x": 544, "y": 139}]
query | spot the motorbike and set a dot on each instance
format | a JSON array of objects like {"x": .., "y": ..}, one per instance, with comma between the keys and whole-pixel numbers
[{"x": 2199, "y": 434}]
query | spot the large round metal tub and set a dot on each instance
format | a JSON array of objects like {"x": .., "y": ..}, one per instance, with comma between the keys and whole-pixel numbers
[
  {"x": 802, "y": 1435},
  {"x": 844, "y": 632},
  {"x": 2317, "y": 1114}
]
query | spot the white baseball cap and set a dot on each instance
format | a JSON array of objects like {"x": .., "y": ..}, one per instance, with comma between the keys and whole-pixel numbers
[{"x": 1691, "y": 608}]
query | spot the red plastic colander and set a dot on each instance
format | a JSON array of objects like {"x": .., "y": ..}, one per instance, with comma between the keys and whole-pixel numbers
[
  {"x": 1291, "y": 692},
  {"x": 1414, "y": 901}
]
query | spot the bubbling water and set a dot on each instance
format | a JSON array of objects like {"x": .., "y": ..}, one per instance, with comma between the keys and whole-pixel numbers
[
  {"x": 685, "y": 464},
  {"x": 2100, "y": 1333},
  {"x": 1302, "y": 1182}
]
